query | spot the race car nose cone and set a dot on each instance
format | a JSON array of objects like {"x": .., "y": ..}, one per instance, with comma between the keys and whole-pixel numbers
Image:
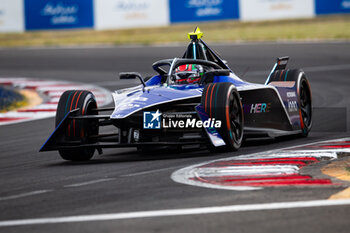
[{"x": 128, "y": 104}]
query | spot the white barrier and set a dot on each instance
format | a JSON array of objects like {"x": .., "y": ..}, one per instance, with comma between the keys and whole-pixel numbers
[
  {"x": 11, "y": 16},
  {"x": 275, "y": 9},
  {"x": 20, "y": 15},
  {"x": 113, "y": 14}
]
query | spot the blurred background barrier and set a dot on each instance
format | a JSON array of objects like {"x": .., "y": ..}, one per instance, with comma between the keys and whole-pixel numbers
[
  {"x": 11, "y": 16},
  {"x": 111, "y": 14},
  {"x": 271, "y": 9},
  {"x": 21, "y": 15},
  {"x": 58, "y": 14},
  {"x": 323, "y": 7},
  {"x": 202, "y": 10}
]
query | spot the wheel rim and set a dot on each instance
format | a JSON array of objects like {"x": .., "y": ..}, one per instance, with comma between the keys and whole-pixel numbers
[
  {"x": 305, "y": 103},
  {"x": 235, "y": 115}
]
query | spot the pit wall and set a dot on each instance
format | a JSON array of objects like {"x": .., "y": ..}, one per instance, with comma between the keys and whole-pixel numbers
[{"x": 27, "y": 15}]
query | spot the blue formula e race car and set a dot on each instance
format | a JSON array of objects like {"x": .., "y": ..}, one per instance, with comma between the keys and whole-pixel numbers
[{"x": 196, "y": 100}]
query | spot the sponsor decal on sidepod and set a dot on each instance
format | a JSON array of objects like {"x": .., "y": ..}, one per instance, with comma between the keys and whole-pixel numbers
[
  {"x": 257, "y": 108},
  {"x": 152, "y": 120}
]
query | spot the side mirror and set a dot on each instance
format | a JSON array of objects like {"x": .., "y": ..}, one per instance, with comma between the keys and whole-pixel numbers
[
  {"x": 132, "y": 75},
  {"x": 129, "y": 75}
]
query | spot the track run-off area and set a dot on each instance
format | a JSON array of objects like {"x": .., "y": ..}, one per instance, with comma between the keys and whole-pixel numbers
[
  {"x": 282, "y": 185},
  {"x": 275, "y": 168},
  {"x": 48, "y": 94}
]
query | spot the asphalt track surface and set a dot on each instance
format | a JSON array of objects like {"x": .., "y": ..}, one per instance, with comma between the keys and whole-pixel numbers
[{"x": 40, "y": 185}]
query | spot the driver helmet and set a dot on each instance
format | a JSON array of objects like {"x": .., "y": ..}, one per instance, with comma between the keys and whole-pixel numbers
[{"x": 188, "y": 74}]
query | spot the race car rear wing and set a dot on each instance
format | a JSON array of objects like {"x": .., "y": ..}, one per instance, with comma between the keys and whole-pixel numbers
[{"x": 280, "y": 64}]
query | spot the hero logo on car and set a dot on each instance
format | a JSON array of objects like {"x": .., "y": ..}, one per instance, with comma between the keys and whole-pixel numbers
[{"x": 257, "y": 108}]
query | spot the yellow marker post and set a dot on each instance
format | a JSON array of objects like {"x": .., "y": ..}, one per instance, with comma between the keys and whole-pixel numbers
[{"x": 195, "y": 35}]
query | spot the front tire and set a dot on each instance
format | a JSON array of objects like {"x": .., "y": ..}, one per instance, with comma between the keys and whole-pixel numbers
[
  {"x": 222, "y": 102},
  {"x": 77, "y": 130}
]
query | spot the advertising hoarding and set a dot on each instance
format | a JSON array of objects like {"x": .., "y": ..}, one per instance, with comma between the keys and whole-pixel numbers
[
  {"x": 11, "y": 16},
  {"x": 110, "y": 14},
  {"x": 332, "y": 6},
  {"x": 202, "y": 10},
  {"x": 58, "y": 14},
  {"x": 275, "y": 9}
]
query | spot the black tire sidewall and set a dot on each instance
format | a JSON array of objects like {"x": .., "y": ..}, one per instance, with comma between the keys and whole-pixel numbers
[
  {"x": 77, "y": 129},
  {"x": 305, "y": 129},
  {"x": 218, "y": 95}
]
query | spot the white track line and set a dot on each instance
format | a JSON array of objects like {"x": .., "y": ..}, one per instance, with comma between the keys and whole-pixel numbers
[
  {"x": 149, "y": 172},
  {"x": 88, "y": 182},
  {"x": 24, "y": 195},
  {"x": 177, "y": 212}
]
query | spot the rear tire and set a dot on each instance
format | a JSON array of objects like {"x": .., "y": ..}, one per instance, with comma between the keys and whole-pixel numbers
[
  {"x": 222, "y": 102},
  {"x": 77, "y": 130},
  {"x": 304, "y": 95}
]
